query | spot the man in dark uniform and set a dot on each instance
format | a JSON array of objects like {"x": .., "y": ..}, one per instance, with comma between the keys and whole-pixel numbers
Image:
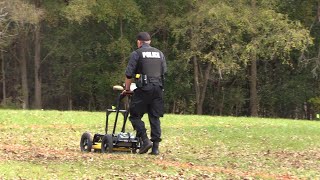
[{"x": 148, "y": 65}]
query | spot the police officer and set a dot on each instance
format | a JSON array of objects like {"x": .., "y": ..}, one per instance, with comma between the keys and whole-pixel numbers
[{"x": 148, "y": 65}]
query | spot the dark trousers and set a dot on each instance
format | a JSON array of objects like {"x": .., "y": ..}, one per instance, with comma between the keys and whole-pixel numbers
[{"x": 148, "y": 99}]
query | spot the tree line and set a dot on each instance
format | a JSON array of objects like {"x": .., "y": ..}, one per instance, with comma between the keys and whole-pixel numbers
[{"x": 231, "y": 57}]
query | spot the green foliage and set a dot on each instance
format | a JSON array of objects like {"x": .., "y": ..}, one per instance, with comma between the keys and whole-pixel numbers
[
  {"x": 207, "y": 33},
  {"x": 119, "y": 47},
  {"x": 112, "y": 11},
  {"x": 213, "y": 32},
  {"x": 216, "y": 34},
  {"x": 316, "y": 103},
  {"x": 15, "y": 16},
  {"x": 23, "y": 13},
  {"x": 295, "y": 10},
  {"x": 3, "y": 26},
  {"x": 79, "y": 10}
]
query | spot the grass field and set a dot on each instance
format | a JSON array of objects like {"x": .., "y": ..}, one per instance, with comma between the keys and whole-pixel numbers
[{"x": 45, "y": 145}]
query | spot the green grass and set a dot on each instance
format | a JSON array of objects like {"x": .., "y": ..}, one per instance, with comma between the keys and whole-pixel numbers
[{"x": 45, "y": 144}]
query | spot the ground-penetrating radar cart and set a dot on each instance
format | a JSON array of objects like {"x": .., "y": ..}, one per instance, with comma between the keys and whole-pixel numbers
[{"x": 112, "y": 141}]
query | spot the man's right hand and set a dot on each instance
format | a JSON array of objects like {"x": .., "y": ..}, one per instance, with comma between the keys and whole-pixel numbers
[{"x": 127, "y": 92}]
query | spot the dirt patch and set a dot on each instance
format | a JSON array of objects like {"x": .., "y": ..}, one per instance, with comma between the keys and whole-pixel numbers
[
  {"x": 29, "y": 153},
  {"x": 309, "y": 159},
  {"x": 232, "y": 172},
  {"x": 47, "y": 155}
]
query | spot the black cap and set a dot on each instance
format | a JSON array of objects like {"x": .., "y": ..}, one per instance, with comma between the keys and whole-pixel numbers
[{"x": 143, "y": 36}]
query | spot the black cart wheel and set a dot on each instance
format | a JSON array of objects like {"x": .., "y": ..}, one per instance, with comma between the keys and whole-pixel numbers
[
  {"x": 107, "y": 144},
  {"x": 86, "y": 142},
  {"x": 137, "y": 146},
  {"x": 134, "y": 151}
]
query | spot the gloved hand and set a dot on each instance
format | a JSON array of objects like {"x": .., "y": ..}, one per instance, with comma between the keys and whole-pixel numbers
[{"x": 127, "y": 92}]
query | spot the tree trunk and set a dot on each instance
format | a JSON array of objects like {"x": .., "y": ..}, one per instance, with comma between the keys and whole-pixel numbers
[
  {"x": 173, "y": 107},
  {"x": 218, "y": 90},
  {"x": 37, "y": 62},
  {"x": 23, "y": 69},
  {"x": 37, "y": 77},
  {"x": 253, "y": 78},
  {"x": 70, "y": 102},
  {"x": 3, "y": 70},
  {"x": 253, "y": 3},
  {"x": 197, "y": 84},
  {"x": 253, "y": 87},
  {"x": 319, "y": 10},
  {"x": 200, "y": 83},
  {"x": 205, "y": 84}
]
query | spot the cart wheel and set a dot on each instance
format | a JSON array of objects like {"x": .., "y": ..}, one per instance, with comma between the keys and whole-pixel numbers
[
  {"x": 97, "y": 150},
  {"x": 107, "y": 144},
  {"x": 86, "y": 142},
  {"x": 137, "y": 146},
  {"x": 134, "y": 151}
]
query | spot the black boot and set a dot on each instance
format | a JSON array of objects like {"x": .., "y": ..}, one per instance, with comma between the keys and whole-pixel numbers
[
  {"x": 155, "y": 148},
  {"x": 146, "y": 144}
]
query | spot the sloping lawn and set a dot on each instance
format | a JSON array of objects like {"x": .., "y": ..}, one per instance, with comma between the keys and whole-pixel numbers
[{"x": 45, "y": 144}]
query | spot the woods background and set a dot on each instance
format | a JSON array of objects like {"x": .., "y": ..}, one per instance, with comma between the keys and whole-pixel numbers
[{"x": 231, "y": 57}]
